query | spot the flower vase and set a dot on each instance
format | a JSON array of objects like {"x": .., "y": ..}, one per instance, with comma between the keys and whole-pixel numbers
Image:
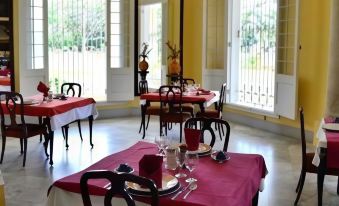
[
  {"x": 174, "y": 67},
  {"x": 143, "y": 65}
]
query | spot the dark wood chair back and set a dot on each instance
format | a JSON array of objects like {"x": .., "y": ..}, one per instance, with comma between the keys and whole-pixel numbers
[
  {"x": 143, "y": 87},
  {"x": 187, "y": 81},
  {"x": 303, "y": 137},
  {"x": 170, "y": 96},
  {"x": 118, "y": 187},
  {"x": 71, "y": 89},
  {"x": 206, "y": 125},
  {"x": 222, "y": 98},
  {"x": 13, "y": 104}
]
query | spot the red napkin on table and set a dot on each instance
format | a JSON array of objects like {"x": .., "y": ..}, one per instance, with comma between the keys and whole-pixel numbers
[
  {"x": 150, "y": 166},
  {"x": 332, "y": 150},
  {"x": 192, "y": 137},
  {"x": 43, "y": 88}
]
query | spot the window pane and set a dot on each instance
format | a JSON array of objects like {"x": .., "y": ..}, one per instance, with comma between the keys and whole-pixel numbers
[
  {"x": 115, "y": 28},
  {"x": 115, "y": 40},
  {"x": 115, "y": 62},
  {"x": 115, "y": 18},
  {"x": 38, "y": 3},
  {"x": 37, "y": 13},
  {"x": 38, "y": 38},
  {"x": 38, "y": 50},
  {"x": 115, "y": 6},
  {"x": 38, "y": 63},
  {"x": 38, "y": 25},
  {"x": 115, "y": 51}
]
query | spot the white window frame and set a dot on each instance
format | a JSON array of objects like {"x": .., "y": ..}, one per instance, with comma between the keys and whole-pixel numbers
[
  {"x": 120, "y": 81},
  {"x": 285, "y": 85}
]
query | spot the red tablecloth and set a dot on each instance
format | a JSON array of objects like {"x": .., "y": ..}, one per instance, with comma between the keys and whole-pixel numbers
[
  {"x": 332, "y": 149},
  {"x": 332, "y": 146},
  {"x": 233, "y": 183},
  {"x": 192, "y": 98}
]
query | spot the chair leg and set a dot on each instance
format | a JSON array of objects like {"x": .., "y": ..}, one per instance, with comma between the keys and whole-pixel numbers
[
  {"x": 79, "y": 126},
  {"x": 66, "y": 136},
  {"x": 180, "y": 131},
  {"x": 21, "y": 146},
  {"x": 297, "y": 189},
  {"x": 3, "y": 148},
  {"x": 140, "y": 127},
  {"x": 46, "y": 143},
  {"x": 338, "y": 187},
  {"x": 302, "y": 181},
  {"x": 148, "y": 121},
  {"x": 25, "y": 152},
  {"x": 40, "y": 122}
]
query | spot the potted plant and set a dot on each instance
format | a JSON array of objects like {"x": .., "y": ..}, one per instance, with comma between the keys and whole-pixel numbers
[
  {"x": 174, "y": 66},
  {"x": 143, "y": 65}
]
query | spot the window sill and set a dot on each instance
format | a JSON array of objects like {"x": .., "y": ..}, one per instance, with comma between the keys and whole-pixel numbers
[{"x": 252, "y": 110}]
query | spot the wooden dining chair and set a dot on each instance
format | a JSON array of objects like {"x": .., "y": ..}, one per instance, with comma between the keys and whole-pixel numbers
[
  {"x": 148, "y": 108},
  {"x": 73, "y": 90},
  {"x": 15, "y": 126},
  {"x": 205, "y": 124},
  {"x": 118, "y": 187},
  {"x": 306, "y": 163},
  {"x": 217, "y": 111},
  {"x": 171, "y": 108},
  {"x": 187, "y": 81},
  {"x": 187, "y": 107}
]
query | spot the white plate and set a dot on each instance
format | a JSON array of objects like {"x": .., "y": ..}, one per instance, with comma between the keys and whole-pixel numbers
[
  {"x": 331, "y": 126},
  {"x": 168, "y": 183},
  {"x": 29, "y": 101}
]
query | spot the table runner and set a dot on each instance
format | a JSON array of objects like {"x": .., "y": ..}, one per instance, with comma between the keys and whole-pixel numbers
[{"x": 234, "y": 182}]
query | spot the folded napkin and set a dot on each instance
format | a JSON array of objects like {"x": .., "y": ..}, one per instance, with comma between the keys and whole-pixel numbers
[
  {"x": 43, "y": 88},
  {"x": 150, "y": 166},
  {"x": 192, "y": 137}
]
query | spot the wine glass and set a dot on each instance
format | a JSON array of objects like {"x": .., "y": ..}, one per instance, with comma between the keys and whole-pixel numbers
[
  {"x": 161, "y": 143},
  {"x": 181, "y": 159},
  {"x": 192, "y": 159},
  {"x": 196, "y": 86}
]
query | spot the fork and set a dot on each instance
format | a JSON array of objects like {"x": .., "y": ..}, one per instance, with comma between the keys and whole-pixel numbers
[{"x": 182, "y": 190}]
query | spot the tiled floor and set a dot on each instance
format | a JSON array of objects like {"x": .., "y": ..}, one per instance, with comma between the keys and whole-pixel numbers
[{"x": 28, "y": 186}]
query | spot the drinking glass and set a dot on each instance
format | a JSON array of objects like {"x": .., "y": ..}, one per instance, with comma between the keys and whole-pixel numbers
[
  {"x": 181, "y": 159},
  {"x": 196, "y": 86},
  {"x": 192, "y": 160},
  {"x": 161, "y": 142}
]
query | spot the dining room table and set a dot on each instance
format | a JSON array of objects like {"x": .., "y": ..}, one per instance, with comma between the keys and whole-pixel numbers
[
  {"x": 59, "y": 112},
  {"x": 327, "y": 151},
  {"x": 235, "y": 182},
  {"x": 203, "y": 99}
]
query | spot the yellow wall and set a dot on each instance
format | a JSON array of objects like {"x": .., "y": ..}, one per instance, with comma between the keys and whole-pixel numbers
[{"x": 314, "y": 37}]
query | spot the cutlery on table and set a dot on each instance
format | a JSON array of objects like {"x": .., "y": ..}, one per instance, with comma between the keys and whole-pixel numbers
[
  {"x": 182, "y": 190},
  {"x": 193, "y": 186}
]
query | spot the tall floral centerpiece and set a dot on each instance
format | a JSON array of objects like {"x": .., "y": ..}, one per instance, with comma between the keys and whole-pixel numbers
[
  {"x": 143, "y": 64},
  {"x": 174, "y": 66}
]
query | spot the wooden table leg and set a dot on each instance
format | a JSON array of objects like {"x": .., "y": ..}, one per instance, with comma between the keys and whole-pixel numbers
[
  {"x": 51, "y": 140},
  {"x": 143, "y": 114},
  {"x": 90, "y": 121},
  {"x": 202, "y": 108},
  {"x": 321, "y": 175}
]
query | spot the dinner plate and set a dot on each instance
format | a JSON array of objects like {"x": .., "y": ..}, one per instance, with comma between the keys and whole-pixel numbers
[
  {"x": 214, "y": 157},
  {"x": 331, "y": 127},
  {"x": 203, "y": 150},
  {"x": 30, "y": 101},
  {"x": 170, "y": 184}
]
